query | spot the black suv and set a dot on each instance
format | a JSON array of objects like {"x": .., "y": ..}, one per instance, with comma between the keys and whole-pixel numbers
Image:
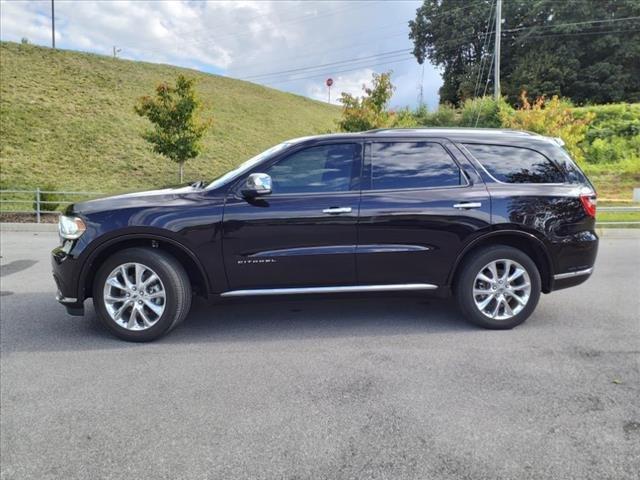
[{"x": 493, "y": 217}]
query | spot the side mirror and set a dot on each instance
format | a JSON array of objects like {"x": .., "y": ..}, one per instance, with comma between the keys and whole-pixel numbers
[{"x": 257, "y": 184}]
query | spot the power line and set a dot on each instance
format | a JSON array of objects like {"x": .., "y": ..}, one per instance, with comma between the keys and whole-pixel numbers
[
  {"x": 486, "y": 85},
  {"x": 577, "y": 34},
  {"x": 333, "y": 72},
  {"x": 353, "y": 64},
  {"x": 606, "y": 20},
  {"x": 393, "y": 60},
  {"x": 312, "y": 67},
  {"x": 303, "y": 69},
  {"x": 404, "y": 22},
  {"x": 318, "y": 75},
  {"x": 484, "y": 47},
  {"x": 533, "y": 27},
  {"x": 351, "y": 46}
]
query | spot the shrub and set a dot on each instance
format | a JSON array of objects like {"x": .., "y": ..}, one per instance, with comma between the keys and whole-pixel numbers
[
  {"x": 553, "y": 118},
  {"x": 48, "y": 201},
  {"x": 404, "y": 118},
  {"x": 614, "y": 134},
  {"x": 482, "y": 112},
  {"x": 445, "y": 116}
]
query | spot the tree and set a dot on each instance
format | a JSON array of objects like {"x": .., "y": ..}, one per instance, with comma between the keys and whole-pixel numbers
[
  {"x": 370, "y": 110},
  {"x": 177, "y": 129},
  {"x": 587, "y": 51}
]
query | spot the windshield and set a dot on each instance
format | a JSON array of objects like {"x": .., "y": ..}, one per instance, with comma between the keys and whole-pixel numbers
[{"x": 248, "y": 165}]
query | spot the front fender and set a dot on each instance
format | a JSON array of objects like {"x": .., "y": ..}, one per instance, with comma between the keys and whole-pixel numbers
[{"x": 90, "y": 255}]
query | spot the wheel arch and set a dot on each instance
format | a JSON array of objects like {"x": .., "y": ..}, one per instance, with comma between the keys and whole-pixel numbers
[
  {"x": 524, "y": 241},
  {"x": 197, "y": 276}
]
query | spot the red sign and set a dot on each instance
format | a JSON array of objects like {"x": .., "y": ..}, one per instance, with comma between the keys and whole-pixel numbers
[{"x": 329, "y": 82}]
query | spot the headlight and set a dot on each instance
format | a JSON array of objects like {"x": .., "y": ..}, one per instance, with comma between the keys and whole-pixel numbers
[{"x": 71, "y": 227}]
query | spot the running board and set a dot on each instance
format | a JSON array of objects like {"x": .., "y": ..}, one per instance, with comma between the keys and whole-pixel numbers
[{"x": 344, "y": 289}]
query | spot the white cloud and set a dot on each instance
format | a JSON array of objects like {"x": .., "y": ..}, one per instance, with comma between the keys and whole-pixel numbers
[
  {"x": 242, "y": 39},
  {"x": 349, "y": 83}
]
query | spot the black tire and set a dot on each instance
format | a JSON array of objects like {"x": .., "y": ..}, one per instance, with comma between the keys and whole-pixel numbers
[
  {"x": 465, "y": 284},
  {"x": 176, "y": 285}
]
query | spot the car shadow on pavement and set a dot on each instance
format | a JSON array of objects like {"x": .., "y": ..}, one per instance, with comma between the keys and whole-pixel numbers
[{"x": 35, "y": 322}]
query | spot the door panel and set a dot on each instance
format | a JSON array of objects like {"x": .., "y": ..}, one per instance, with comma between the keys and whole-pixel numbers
[
  {"x": 289, "y": 242},
  {"x": 304, "y": 233},
  {"x": 415, "y": 234}
]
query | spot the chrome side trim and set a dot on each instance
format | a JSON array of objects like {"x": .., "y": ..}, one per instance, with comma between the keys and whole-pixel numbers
[
  {"x": 292, "y": 252},
  {"x": 342, "y": 289},
  {"x": 391, "y": 248},
  {"x": 577, "y": 273},
  {"x": 340, "y": 249}
]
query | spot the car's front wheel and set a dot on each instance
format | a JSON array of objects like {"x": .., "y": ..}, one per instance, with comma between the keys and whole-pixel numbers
[
  {"x": 498, "y": 287},
  {"x": 141, "y": 294}
]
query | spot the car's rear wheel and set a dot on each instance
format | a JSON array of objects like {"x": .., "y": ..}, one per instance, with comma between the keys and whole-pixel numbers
[
  {"x": 141, "y": 294},
  {"x": 498, "y": 287}
]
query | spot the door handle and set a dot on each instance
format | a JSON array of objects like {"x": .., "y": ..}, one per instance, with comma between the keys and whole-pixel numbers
[
  {"x": 465, "y": 205},
  {"x": 337, "y": 210}
]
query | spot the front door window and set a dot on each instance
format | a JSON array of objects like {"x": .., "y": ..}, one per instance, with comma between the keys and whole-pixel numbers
[{"x": 321, "y": 169}]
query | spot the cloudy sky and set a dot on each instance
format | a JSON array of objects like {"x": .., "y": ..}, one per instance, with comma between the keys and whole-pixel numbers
[{"x": 289, "y": 45}]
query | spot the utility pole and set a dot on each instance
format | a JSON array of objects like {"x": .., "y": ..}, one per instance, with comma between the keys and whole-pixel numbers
[
  {"x": 496, "y": 53},
  {"x": 53, "y": 26},
  {"x": 421, "y": 89}
]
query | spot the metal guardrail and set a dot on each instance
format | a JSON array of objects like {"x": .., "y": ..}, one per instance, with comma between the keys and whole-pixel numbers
[
  {"x": 619, "y": 209},
  {"x": 38, "y": 204}
]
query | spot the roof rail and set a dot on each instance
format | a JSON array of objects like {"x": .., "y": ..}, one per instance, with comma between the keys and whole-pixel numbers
[{"x": 375, "y": 130}]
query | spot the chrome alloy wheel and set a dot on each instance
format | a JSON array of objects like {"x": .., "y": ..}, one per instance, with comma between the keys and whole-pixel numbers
[
  {"x": 501, "y": 289},
  {"x": 134, "y": 296}
]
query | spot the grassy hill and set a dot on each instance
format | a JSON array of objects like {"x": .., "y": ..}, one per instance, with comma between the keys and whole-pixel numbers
[{"x": 67, "y": 120}]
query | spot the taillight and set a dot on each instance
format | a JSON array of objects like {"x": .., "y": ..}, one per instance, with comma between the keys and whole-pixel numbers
[{"x": 589, "y": 202}]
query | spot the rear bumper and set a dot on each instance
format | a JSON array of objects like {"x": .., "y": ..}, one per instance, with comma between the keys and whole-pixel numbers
[
  {"x": 65, "y": 274},
  {"x": 575, "y": 258}
]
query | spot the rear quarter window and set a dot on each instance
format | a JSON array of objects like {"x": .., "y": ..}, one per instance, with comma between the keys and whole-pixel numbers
[{"x": 516, "y": 164}]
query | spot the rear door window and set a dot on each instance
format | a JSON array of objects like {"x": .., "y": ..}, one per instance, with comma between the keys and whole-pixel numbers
[
  {"x": 396, "y": 165},
  {"x": 516, "y": 164}
]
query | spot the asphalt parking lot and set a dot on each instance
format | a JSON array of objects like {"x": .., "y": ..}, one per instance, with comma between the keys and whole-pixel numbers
[{"x": 323, "y": 388}]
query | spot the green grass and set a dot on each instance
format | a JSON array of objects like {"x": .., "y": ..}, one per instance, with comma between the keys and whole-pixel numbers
[
  {"x": 618, "y": 216},
  {"x": 614, "y": 181},
  {"x": 67, "y": 120}
]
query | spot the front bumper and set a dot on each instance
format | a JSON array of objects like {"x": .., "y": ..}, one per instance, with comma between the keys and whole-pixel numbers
[{"x": 66, "y": 274}]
